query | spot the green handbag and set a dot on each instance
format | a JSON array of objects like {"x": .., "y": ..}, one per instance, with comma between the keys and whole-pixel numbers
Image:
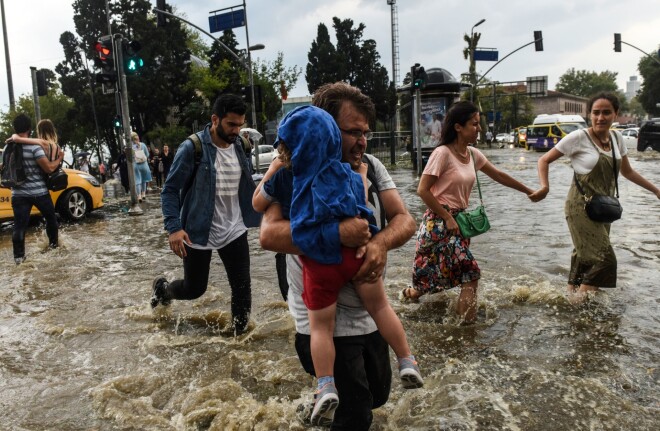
[{"x": 475, "y": 222}]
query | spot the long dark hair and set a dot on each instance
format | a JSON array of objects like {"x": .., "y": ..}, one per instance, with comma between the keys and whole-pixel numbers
[{"x": 459, "y": 113}]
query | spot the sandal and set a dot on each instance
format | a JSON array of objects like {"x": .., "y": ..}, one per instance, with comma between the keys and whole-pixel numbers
[{"x": 405, "y": 296}]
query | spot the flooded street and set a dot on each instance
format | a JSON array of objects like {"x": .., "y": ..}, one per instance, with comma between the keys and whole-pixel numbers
[{"x": 81, "y": 349}]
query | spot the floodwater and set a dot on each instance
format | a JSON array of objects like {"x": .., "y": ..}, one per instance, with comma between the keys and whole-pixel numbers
[{"x": 80, "y": 348}]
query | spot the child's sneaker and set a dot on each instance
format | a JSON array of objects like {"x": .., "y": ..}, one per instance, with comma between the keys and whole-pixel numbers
[
  {"x": 409, "y": 374},
  {"x": 326, "y": 401}
]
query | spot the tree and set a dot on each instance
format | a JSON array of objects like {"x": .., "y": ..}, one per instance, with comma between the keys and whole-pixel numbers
[
  {"x": 158, "y": 86},
  {"x": 355, "y": 61},
  {"x": 322, "y": 58},
  {"x": 272, "y": 76},
  {"x": 586, "y": 84},
  {"x": 227, "y": 68},
  {"x": 649, "y": 93}
]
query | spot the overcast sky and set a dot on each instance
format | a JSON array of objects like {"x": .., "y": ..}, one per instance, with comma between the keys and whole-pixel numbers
[{"x": 576, "y": 34}]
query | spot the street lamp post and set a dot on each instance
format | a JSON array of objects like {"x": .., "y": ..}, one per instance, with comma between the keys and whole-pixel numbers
[
  {"x": 254, "y": 102},
  {"x": 473, "y": 46}
]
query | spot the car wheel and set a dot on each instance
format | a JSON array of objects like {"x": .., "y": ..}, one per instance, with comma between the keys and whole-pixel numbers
[{"x": 72, "y": 205}]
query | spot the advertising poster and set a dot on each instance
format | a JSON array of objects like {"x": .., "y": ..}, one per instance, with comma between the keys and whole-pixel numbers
[{"x": 431, "y": 116}]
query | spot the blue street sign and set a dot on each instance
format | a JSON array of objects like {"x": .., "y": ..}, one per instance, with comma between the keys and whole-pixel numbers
[
  {"x": 225, "y": 21},
  {"x": 489, "y": 116},
  {"x": 485, "y": 55}
]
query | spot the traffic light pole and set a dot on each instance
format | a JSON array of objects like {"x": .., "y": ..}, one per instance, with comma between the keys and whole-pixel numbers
[
  {"x": 633, "y": 46},
  {"x": 417, "y": 135},
  {"x": 35, "y": 95},
  {"x": 126, "y": 124}
]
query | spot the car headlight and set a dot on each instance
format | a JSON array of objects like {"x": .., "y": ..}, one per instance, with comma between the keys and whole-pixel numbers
[{"x": 90, "y": 179}]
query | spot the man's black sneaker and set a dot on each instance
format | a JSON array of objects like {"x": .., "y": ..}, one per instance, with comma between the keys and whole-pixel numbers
[{"x": 158, "y": 295}]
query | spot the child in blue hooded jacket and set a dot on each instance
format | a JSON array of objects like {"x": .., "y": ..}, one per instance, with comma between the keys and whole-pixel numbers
[{"x": 316, "y": 191}]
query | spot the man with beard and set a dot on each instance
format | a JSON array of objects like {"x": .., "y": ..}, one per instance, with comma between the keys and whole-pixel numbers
[
  {"x": 207, "y": 205},
  {"x": 362, "y": 370}
]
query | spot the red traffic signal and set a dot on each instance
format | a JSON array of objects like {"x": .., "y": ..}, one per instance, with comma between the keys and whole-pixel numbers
[
  {"x": 103, "y": 47},
  {"x": 105, "y": 60},
  {"x": 103, "y": 51}
]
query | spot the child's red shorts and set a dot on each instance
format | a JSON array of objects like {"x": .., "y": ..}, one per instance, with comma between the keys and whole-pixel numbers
[{"x": 322, "y": 282}]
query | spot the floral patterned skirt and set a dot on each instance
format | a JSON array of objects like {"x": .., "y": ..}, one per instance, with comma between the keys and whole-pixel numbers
[{"x": 442, "y": 260}]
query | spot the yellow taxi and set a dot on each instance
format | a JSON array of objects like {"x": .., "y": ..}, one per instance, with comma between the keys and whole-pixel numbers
[{"x": 82, "y": 195}]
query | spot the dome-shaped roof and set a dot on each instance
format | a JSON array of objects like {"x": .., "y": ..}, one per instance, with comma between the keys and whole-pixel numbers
[
  {"x": 438, "y": 75},
  {"x": 438, "y": 80}
]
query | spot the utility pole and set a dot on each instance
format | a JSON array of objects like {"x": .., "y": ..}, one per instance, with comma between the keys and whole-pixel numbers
[
  {"x": 128, "y": 147},
  {"x": 395, "y": 61},
  {"x": 10, "y": 84}
]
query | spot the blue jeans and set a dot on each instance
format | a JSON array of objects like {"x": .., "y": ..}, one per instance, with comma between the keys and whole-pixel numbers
[{"x": 22, "y": 205}]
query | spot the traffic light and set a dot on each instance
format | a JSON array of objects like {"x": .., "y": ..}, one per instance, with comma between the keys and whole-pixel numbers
[
  {"x": 418, "y": 77},
  {"x": 538, "y": 40},
  {"x": 105, "y": 60},
  {"x": 132, "y": 61},
  {"x": 117, "y": 121},
  {"x": 42, "y": 86},
  {"x": 246, "y": 94},
  {"x": 161, "y": 18},
  {"x": 617, "y": 42}
]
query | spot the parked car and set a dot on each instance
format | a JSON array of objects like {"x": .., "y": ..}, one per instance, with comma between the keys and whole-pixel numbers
[
  {"x": 649, "y": 135},
  {"x": 82, "y": 195},
  {"x": 504, "y": 138},
  {"x": 630, "y": 137},
  {"x": 266, "y": 155}
]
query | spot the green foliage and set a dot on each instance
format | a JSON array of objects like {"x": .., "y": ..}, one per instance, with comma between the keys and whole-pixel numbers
[
  {"x": 649, "y": 94},
  {"x": 322, "y": 58},
  {"x": 636, "y": 109},
  {"x": 353, "y": 60},
  {"x": 516, "y": 110},
  {"x": 272, "y": 75},
  {"x": 586, "y": 84},
  {"x": 55, "y": 106}
]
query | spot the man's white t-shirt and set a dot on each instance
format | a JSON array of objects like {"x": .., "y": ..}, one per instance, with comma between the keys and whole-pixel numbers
[{"x": 227, "y": 223}]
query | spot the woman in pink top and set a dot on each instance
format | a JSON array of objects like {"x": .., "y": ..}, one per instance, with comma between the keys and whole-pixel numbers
[{"x": 442, "y": 258}]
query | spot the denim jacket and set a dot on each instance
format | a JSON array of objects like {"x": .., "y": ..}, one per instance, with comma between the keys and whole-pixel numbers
[{"x": 195, "y": 213}]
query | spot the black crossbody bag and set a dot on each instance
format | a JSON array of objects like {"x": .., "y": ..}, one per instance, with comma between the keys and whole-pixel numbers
[{"x": 603, "y": 208}]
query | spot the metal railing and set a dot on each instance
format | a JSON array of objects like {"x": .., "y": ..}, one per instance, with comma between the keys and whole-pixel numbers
[{"x": 390, "y": 147}]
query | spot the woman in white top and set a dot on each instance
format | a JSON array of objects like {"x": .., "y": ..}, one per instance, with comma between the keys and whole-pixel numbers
[{"x": 593, "y": 263}]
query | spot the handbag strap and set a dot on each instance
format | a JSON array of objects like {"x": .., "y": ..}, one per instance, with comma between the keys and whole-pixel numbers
[
  {"x": 613, "y": 140},
  {"x": 476, "y": 174}
]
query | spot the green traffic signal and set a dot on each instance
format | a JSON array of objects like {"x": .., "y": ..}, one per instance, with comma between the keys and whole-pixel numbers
[{"x": 134, "y": 64}]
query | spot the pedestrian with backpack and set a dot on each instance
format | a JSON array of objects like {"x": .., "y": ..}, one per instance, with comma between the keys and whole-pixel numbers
[
  {"x": 33, "y": 191},
  {"x": 207, "y": 205}
]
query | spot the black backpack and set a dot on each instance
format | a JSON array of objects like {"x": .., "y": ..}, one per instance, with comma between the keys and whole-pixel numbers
[{"x": 12, "y": 173}]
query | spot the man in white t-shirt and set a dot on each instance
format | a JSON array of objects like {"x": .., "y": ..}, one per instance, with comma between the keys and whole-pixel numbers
[{"x": 362, "y": 365}]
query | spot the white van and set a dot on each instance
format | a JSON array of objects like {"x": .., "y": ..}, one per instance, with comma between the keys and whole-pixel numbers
[{"x": 559, "y": 118}]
